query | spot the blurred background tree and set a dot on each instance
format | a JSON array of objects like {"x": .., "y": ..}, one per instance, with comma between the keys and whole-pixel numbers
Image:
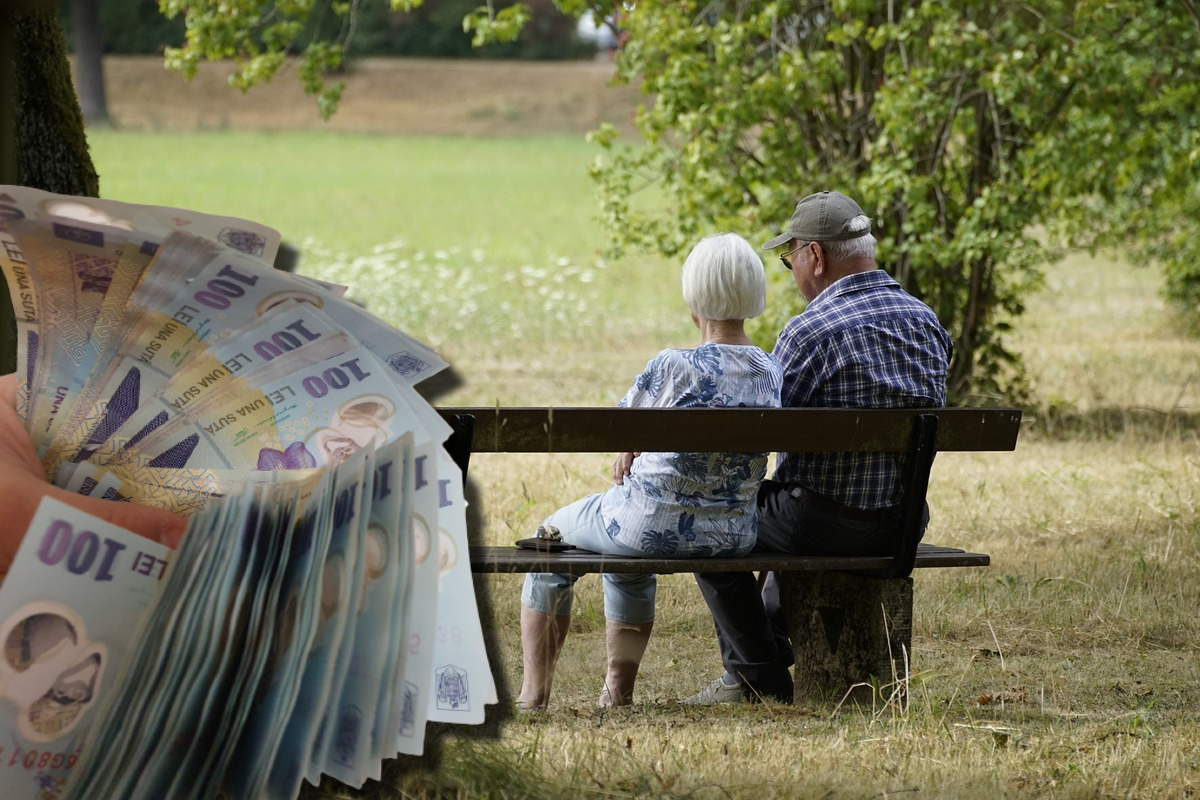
[{"x": 984, "y": 140}]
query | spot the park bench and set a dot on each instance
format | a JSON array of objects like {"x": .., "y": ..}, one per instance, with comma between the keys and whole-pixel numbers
[{"x": 850, "y": 618}]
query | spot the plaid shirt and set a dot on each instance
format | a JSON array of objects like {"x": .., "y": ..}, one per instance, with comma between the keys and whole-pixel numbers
[{"x": 862, "y": 343}]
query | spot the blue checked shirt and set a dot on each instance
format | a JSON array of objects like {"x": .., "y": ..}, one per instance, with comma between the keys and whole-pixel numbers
[{"x": 862, "y": 343}]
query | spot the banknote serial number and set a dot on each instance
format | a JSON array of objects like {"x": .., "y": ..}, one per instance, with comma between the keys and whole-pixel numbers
[{"x": 41, "y": 759}]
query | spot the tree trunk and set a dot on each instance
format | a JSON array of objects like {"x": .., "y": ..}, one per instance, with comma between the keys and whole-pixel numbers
[
  {"x": 42, "y": 142},
  {"x": 52, "y": 150},
  {"x": 8, "y": 174},
  {"x": 89, "y": 61},
  {"x": 852, "y": 635}
]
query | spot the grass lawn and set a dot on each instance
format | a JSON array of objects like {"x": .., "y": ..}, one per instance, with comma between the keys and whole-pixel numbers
[
  {"x": 1068, "y": 669},
  {"x": 487, "y": 249}
]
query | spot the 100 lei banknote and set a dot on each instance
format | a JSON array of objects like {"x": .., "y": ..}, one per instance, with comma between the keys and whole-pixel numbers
[
  {"x": 69, "y": 608},
  {"x": 149, "y": 224},
  {"x": 225, "y": 296},
  {"x": 316, "y": 416}
]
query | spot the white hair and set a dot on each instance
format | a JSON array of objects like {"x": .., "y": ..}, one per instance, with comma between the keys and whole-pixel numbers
[
  {"x": 723, "y": 279},
  {"x": 853, "y": 248}
]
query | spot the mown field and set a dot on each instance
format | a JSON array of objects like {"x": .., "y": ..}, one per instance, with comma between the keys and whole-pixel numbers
[{"x": 1068, "y": 669}]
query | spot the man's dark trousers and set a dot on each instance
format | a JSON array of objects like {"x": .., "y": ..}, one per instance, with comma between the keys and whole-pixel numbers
[{"x": 754, "y": 645}]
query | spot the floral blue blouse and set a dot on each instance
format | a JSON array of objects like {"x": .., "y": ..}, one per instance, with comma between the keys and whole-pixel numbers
[{"x": 694, "y": 504}]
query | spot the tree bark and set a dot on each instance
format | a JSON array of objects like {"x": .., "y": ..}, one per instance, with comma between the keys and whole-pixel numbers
[
  {"x": 852, "y": 635},
  {"x": 8, "y": 174},
  {"x": 89, "y": 61},
  {"x": 42, "y": 141},
  {"x": 52, "y": 149}
]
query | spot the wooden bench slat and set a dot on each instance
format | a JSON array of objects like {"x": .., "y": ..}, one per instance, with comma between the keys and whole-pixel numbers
[
  {"x": 576, "y": 562},
  {"x": 594, "y": 430}
]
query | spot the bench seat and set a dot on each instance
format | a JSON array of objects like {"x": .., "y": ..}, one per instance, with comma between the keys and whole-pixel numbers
[
  {"x": 582, "y": 562},
  {"x": 849, "y": 618}
]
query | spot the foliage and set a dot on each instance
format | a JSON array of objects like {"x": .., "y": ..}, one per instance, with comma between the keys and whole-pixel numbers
[
  {"x": 260, "y": 35},
  {"x": 981, "y": 138},
  {"x": 486, "y": 24}
]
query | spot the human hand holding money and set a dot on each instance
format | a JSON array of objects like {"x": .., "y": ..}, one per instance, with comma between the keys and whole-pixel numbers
[
  {"x": 319, "y": 608},
  {"x": 23, "y": 485}
]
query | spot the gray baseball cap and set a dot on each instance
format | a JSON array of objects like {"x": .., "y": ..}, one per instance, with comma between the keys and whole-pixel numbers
[{"x": 821, "y": 217}]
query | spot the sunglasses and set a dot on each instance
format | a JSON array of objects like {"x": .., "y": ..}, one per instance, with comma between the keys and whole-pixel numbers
[{"x": 785, "y": 258}]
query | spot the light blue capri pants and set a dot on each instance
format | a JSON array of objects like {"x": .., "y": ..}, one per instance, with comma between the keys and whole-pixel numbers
[{"x": 627, "y": 598}]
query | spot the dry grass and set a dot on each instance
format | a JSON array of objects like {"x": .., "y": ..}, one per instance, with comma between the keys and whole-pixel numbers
[
  {"x": 1067, "y": 669},
  {"x": 1098, "y": 339}
]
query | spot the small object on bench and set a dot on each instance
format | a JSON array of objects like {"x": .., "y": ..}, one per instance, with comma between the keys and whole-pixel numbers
[
  {"x": 547, "y": 539},
  {"x": 849, "y": 618}
]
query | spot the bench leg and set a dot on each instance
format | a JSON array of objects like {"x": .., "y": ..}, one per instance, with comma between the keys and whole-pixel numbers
[{"x": 848, "y": 631}]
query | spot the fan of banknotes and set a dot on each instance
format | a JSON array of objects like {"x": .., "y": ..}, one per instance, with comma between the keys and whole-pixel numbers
[{"x": 317, "y": 613}]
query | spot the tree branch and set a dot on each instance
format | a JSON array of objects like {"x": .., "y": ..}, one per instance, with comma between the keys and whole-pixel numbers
[
  {"x": 1191, "y": 7},
  {"x": 943, "y": 137}
]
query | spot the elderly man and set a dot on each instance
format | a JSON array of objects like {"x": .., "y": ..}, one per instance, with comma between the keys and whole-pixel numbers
[{"x": 862, "y": 342}]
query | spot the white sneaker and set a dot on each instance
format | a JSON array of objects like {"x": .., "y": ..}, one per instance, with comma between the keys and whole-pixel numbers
[{"x": 717, "y": 693}]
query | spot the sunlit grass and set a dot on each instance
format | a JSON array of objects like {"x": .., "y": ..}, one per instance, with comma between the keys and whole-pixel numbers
[
  {"x": 1099, "y": 337},
  {"x": 1068, "y": 669},
  {"x": 516, "y": 199},
  {"x": 487, "y": 249}
]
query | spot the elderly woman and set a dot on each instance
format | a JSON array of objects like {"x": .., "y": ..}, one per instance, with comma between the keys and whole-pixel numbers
[{"x": 691, "y": 505}]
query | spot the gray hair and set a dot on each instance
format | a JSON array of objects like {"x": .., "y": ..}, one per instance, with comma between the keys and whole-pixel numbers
[
  {"x": 723, "y": 279},
  {"x": 853, "y": 248}
]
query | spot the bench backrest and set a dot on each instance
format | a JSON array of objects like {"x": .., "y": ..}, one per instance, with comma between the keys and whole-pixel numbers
[
  {"x": 732, "y": 430},
  {"x": 916, "y": 433}
]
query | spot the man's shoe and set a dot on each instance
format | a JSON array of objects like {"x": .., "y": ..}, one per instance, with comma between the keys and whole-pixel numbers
[{"x": 717, "y": 693}]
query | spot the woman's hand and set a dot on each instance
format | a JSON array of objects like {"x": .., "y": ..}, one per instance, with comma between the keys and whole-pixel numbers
[
  {"x": 622, "y": 466},
  {"x": 23, "y": 485}
]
